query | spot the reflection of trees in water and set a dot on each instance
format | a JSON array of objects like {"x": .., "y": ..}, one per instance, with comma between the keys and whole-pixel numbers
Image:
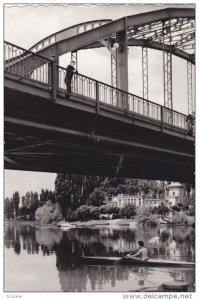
[
  {"x": 174, "y": 241},
  {"x": 69, "y": 246},
  {"x": 48, "y": 238},
  {"x": 78, "y": 279},
  {"x": 73, "y": 280},
  {"x": 31, "y": 239},
  {"x": 178, "y": 241}
]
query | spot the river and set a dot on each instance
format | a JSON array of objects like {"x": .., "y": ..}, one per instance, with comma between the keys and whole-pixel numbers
[{"x": 43, "y": 259}]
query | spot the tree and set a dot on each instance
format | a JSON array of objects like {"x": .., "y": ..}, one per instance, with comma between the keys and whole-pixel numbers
[
  {"x": 27, "y": 199},
  {"x": 46, "y": 195},
  {"x": 8, "y": 208},
  {"x": 128, "y": 211},
  {"x": 94, "y": 212},
  {"x": 97, "y": 198},
  {"x": 32, "y": 209},
  {"x": 104, "y": 209},
  {"x": 146, "y": 217},
  {"x": 23, "y": 212},
  {"x": 49, "y": 213},
  {"x": 16, "y": 200},
  {"x": 83, "y": 212},
  {"x": 69, "y": 214}
]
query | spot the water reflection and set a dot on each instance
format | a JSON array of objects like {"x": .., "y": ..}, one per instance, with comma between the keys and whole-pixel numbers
[{"x": 68, "y": 246}]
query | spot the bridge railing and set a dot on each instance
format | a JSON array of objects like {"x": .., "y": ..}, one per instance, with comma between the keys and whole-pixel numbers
[
  {"x": 24, "y": 64},
  {"x": 99, "y": 91}
]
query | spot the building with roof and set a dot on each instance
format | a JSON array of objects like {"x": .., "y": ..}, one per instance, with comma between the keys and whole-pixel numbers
[{"x": 174, "y": 193}]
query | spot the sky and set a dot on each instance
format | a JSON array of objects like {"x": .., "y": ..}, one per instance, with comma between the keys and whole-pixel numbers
[{"x": 25, "y": 25}]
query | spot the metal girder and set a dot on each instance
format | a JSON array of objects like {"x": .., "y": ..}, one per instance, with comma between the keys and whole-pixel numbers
[
  {"x": 158, "y": 46},
  {"x": 119, "y": 164},
  {"x": 89, "y": 37},
  {"x": 190, "y": 88},
  {"x": 167, "y": 72},
  {"x": 145, "y": 84},
  {"x": 74, "y": 57},
  {"x": 114, "y": 77},
  {"x": 57, "y": 129},
  {"x": 68, "y": 32},
  {"x": 167, "y": 65},
  {"x": 72, "y": 38},
  {"x": 10, "y": 161},
  {"x": 158, "y": 15},
  {"x": 114, "y": 67}
]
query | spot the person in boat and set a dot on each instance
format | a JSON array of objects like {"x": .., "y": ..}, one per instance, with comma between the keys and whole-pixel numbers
[{"x": 141, "y": 254}]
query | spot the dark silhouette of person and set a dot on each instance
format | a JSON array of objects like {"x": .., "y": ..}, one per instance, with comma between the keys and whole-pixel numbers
[
  {"x": 190, "y": 124},
  {"x": 70, "y": 70}
]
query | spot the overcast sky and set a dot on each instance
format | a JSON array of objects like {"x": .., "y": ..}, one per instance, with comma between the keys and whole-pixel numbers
[{"x": 25, "y": 25}]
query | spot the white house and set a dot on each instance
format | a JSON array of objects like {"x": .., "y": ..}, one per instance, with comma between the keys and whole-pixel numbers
[
  {"x": 153, "y": 202},
  {"x": 122, "y": 200}
]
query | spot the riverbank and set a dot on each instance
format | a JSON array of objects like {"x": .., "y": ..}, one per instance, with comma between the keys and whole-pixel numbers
[
  {"x": 115, "y": 222},
  {"x": 118, "y": 222}
]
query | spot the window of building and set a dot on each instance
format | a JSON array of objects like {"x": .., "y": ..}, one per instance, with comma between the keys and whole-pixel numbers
[
  {"x": 140, "y": 202},
  {"x": 173, "y": 194}
]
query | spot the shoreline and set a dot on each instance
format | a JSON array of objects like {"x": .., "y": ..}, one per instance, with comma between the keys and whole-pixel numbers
[{"x": 116, "y": 222}]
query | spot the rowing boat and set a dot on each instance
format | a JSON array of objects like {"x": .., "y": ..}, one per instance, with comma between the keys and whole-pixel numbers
[{"x": 150, "y": 262}]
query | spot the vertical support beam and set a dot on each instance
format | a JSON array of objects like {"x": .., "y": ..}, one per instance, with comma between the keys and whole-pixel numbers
[
  {"x": 122, "y": 63},
  {"x": 74, "y": 57},
  {"x": 145, "y": 72},
  {"x": 54, "y": 78},
  {"x": 55, "y": 58},
  {"x": 114, "y": 69},
  {"x": 122, "y": 59},
  {"x": 190, "y": 87},
  {"x": 167, "y": 72},
  {"x": 168, "y": 101},
  {"x": 114, "y": 76},
  {"x": 145, "y": 79}
]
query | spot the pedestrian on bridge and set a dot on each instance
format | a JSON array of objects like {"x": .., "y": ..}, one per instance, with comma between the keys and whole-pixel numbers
[{"x": 70, "y": 70}]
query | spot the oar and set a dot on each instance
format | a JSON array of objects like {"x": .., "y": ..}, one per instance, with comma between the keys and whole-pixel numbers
[{"x": 121, "y": 259}]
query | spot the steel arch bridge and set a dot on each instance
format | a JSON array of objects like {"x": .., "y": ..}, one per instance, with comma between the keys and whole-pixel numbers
[{"x": 147, "y": 134}]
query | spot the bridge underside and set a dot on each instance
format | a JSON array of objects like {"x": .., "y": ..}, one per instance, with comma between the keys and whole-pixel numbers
[{"x": 55, "y": 137}]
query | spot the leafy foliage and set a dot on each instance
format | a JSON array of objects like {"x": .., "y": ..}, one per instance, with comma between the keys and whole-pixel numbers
[
  {"x": 16, "y": 200},
  {"x": 183, "y": 219},
  {"x": 8, "y": 208},
  {"x": 128, "y": 211},
  {"x": 49, "y": 213}
]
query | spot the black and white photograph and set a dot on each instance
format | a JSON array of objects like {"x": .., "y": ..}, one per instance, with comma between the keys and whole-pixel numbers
[{"x": 99, "y": 149}]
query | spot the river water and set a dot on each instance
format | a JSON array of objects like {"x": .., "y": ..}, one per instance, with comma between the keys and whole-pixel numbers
[{"x": 42, "y": 259}]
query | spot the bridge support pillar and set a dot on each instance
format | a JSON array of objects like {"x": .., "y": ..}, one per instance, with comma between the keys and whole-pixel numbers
[
  {"x": 122, "y": 60},
  {"x": 122, "y": 64}
]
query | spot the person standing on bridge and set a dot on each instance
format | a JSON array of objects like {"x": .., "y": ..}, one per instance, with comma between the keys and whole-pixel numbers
[{"x": 70, "y": 70}]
